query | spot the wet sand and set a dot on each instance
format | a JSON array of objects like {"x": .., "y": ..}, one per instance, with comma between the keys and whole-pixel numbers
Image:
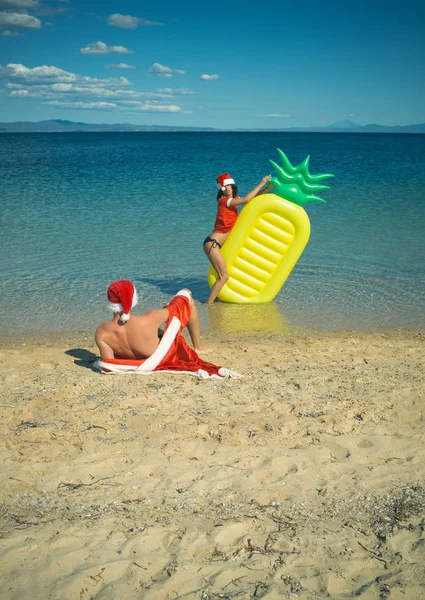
[{"x": 304, "y": 479}]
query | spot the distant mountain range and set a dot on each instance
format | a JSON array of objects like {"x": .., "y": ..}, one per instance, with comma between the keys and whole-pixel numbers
[
  {"x": 351, "y": 127},
  {"x": 59, "y": 125}
]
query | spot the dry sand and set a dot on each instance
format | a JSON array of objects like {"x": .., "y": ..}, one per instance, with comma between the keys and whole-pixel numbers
[{"x": 304, "y": 479}]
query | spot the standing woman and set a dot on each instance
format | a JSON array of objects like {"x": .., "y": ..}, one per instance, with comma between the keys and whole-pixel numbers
[{"x": 227, "y": 213}]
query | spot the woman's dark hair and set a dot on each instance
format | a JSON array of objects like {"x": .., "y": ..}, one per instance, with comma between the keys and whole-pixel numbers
[{"x": 220, "y": 192}]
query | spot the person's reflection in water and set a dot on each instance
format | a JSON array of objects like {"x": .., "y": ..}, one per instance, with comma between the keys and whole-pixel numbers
[{"x": 247, "y": 318}]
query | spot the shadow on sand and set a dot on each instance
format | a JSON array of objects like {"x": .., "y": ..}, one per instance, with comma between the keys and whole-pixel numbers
[{"x": 84, "y": 358}]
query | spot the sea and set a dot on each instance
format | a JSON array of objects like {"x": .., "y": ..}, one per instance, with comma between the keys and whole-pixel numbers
[{"x": 80, "y": 210}]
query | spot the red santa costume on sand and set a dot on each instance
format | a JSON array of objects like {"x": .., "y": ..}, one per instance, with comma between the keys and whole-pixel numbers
[{"x": 173, "y": 354}]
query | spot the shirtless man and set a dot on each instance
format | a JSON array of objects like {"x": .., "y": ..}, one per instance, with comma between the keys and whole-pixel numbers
[{"x": 137, "y": 337}]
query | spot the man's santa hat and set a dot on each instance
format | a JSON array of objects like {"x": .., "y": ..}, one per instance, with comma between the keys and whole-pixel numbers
[
  {"x": 122, "y": 296},
  {"x": 223, "y": 180}
]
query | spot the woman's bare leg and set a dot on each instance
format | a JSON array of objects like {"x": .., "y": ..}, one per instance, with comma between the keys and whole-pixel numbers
[{"x": 217, "y": 260}]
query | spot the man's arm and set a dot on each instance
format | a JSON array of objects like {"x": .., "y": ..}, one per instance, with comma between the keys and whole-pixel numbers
[
  {"x": 158, "y": 316},
  {"x": 104, "y": 349}
]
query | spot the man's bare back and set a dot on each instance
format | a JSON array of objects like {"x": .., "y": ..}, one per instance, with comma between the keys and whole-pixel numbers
[{"x": 138, "y": 338}]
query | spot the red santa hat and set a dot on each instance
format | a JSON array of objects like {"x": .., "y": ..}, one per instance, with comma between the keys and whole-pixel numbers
[
  {"x": 122, "y": 296},
  {"x": 223, "y": 180}
]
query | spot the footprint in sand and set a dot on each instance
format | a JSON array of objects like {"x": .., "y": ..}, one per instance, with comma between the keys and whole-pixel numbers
[
  {"x": 365, "y": 444},
  {"x": 338, "y": 453},
  {"x": 230, "y": 535}
]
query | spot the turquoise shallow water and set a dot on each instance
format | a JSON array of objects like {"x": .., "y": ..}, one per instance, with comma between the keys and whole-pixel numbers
[{"x": 81, "y": 210}]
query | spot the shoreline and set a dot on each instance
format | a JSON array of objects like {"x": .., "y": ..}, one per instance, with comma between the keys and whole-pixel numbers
[
  {"x": 263, "y": 332},
  {"x": 303, "y": 479}
]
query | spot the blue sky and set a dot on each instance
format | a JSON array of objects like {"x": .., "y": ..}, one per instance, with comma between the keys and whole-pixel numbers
[{"x": 219, "y": 64}]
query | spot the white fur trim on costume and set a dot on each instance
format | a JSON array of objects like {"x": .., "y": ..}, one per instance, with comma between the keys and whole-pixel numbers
[
  {"x": 164, "y": 345},
  {"x": 117, "y": 369},
  {"x": 184, "y": 293},
  {"x": 228, "y": 374},
  {"x": 107, "y": 369},
  {"x": 228, "y": 202}
]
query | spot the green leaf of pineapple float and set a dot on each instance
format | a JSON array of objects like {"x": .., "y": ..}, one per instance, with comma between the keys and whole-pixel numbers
[{"x": 296, "y": 183}]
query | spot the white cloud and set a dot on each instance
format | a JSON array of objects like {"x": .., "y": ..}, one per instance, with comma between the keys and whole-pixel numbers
[
  {"x": 275, "y": 115},
  {"x": 206, "y": 77},
  {"x": 16, "y": 72},
  {"x": 182, "y": 91},
  {"x": 60, "y": 88},
  {"x": 162, "y": 71},
  {"x": 14, "y": 19},
  {"x": 64, "y": 90},
  {"x": 84, "y": 105},
  {"x": 119, "y": 66},
  {"x": 124, "y": 21},
  {"x": 8, "y": 33},
  {"x": 19, "y": 4},
  {"x": 158, "y": 68},
  {"x": 128, "y": 22},
  {"x": 135, "y": 106},
  {"x": 164, "y": 108},
  {"x": 99, "y": 48}
]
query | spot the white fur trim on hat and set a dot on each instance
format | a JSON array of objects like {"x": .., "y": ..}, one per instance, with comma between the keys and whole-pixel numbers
[
  {"x": 116, "y": 307},
  {"x": 225, "y": 182}
]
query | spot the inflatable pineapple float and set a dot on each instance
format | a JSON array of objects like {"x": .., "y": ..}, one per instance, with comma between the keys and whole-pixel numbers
[{"x": 270, "y": 235}]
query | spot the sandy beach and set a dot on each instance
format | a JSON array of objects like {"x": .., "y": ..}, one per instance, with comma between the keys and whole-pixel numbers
[{"x": 304, "y": 479}]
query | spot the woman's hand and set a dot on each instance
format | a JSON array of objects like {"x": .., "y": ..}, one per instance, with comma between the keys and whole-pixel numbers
[{"x": 265, "y": 179}]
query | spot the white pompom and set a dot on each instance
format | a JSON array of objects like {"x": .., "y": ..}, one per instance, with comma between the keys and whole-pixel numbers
[{"x": 124, "y": 318}]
